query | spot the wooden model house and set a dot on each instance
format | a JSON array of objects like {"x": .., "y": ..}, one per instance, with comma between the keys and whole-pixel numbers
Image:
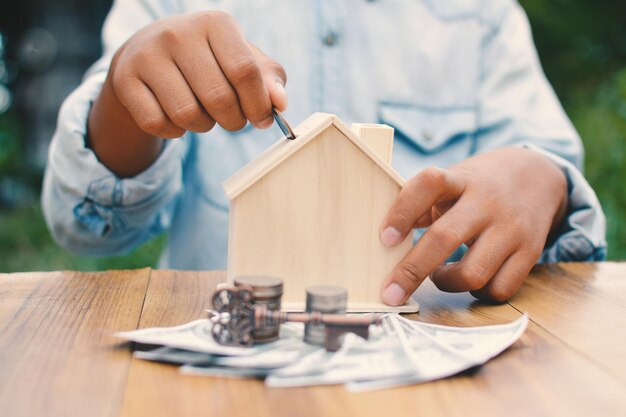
[{"x": 308, "y": 211}]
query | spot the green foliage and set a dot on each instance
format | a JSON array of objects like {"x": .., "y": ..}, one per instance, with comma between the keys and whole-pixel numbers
[
  {"x": 581, "y": 43},
  {"x": 9, "y": 144},
  {"x": 26, "y": 245},
  {"x": 601, "y": 120}
]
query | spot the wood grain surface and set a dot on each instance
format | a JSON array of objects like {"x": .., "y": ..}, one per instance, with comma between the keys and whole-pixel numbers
[
  {"x": 58, "y": 356},
  {"x": 585, "y": 306}
]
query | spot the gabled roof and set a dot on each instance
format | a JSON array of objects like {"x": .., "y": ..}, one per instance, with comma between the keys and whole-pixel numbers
[{"x": 284, "y": 148}]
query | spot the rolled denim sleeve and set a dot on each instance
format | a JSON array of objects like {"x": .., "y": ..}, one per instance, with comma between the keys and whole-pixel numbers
[
  {"x": 582, "y": 234},
  {"x": 519, "y": 108},
  {"x": 88, "y": 209}
]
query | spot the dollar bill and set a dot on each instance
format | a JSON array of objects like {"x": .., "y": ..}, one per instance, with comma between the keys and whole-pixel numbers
[
  {"x": 399, "y": 352},
  {"x": 224, "y": 372},
  {"x": 175, "y": 356},
  {"x": 419, "y": 353},
  {"x": 196, "y": 336}
]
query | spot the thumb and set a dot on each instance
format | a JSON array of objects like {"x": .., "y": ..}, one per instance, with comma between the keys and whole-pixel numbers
[{"x": 275, "y": 79}]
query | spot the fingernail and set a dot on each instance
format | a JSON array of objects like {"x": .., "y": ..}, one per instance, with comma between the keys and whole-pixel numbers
[
  {"x": 280, "y": 88},
  {"x": 390, "y": 236},
  {"x": 265, "y": 123},
  {"x": 393, "y": 295}
]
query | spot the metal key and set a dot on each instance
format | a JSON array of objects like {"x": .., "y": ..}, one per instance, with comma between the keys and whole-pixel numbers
[{"x": 235, "y": 317}]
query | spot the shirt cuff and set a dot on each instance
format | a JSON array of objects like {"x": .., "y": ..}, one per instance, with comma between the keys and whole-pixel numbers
[
  {"x": 581, "y": 236},
  {"x": 103, "y": 204}
]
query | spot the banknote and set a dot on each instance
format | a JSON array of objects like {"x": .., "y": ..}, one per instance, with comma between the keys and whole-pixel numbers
[
  {"x": 399, "y": 352},
  {"x": 196, "y": 336},
  {"x": 175, "y": 356},
  {"x": 419, "y": 352},
  {"x": 476, "y": 345},
  {"x": 224, "y": 372}
]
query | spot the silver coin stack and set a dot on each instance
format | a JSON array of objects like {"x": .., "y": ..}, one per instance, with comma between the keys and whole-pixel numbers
[
  {"x": 327, "y": 299},
  {"x": 266, "y": 291}
]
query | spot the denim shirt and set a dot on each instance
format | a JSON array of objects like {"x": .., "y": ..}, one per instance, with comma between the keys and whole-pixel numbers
[{"x": 454, "y": 78}]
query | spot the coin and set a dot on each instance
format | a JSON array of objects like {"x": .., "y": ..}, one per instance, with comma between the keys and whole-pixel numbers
[{"x": 284, "y": 126}]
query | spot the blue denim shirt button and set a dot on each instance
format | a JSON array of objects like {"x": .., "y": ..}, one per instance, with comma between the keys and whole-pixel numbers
[{"x": 330, "y": 39}]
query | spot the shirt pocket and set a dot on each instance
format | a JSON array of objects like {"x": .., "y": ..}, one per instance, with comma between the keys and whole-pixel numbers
[{"x": 432, "y": 129}]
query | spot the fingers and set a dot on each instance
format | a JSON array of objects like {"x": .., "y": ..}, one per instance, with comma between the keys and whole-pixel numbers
[
  {"x": 176, "y": 97},
  {"x": 416, "y": 200},
  {"x": 459, "y": 224},
  {"x": 508, "y": 279},
  {"x": 276, "y": 85},
  {"x": 275, "y": 78},
  {"x": 146, "y": 110},
  {"x": 436, "y": 212},
  {"x": 478, "y": 266},
  {"x": 424, "y": 221},
  {"x": 241, "y": 68},
  {"x": 204, "y": 75},
  {"x": 234, "y": 82},
  {"x": 201, "y": 70}
]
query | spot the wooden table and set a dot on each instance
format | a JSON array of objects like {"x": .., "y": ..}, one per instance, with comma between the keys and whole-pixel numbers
[{"x": 58, "y": 356}]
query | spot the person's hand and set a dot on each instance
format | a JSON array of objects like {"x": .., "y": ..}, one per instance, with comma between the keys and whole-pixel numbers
[
  {"x": 187, "y": 72},
  {"x": 183, "y": 73},
  {"x": 502, "y": 204}
]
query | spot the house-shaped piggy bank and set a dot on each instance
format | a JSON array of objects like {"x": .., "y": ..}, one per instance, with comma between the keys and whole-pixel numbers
[{"x": 309, "y": 210}]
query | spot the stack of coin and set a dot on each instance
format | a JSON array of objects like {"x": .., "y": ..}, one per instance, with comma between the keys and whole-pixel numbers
[
  {"x": 266, "y": 291},
  {"x": 327, "y": 299}
]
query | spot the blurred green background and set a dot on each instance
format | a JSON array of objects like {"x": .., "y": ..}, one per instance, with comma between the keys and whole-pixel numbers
[{"x": 582, "y": 45}]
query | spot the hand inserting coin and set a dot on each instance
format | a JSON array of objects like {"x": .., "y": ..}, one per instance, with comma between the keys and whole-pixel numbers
[{"x": 249, "y": 313}]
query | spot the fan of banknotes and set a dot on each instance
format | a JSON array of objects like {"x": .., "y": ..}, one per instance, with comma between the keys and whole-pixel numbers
[{"x": 400, "y": 352}]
